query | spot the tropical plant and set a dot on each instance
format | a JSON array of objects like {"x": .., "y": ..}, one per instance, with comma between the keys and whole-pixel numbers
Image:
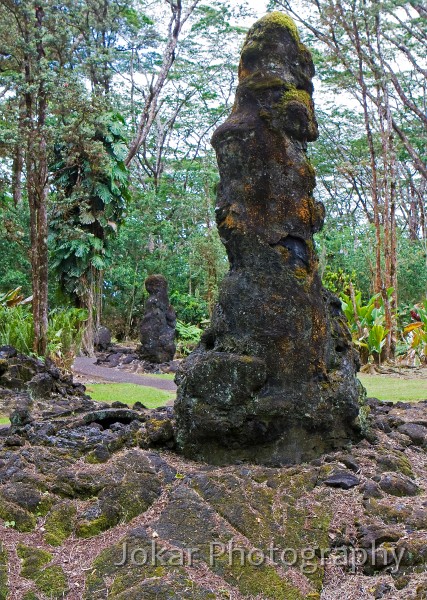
[
  {"x": 415, "y": 334},
  {"x": 366, "y": 322},
  {"x": 91, "y": 182},
  {"x": 188, "y": 337},
  {"x": 16, "y": 328},
  {"x": 64, "y": 332},
  {"x": 14, "y": 298}
]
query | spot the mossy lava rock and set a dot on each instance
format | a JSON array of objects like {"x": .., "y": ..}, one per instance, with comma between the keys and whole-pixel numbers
[{"x": 274, "y": 378}]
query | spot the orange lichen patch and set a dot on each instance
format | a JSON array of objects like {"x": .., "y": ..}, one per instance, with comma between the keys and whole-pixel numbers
[
  {"x": 319, "y": 326},
  {"x": 304, "y": 211},
  {"x": 230, "y": 222},
  {"x": 301, "y": 272}
]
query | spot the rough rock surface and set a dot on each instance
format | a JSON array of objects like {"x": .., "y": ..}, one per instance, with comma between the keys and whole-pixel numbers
[
  {"x": 274, "y": 378},
  {"x": 102, "y": 340},
  {"x": 157, "y": 332},
  {"x": 29, "y": 384},
  {"x": 79, "y": 493}
]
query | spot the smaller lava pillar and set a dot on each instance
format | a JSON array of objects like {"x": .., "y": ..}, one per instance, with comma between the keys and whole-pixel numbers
[
  {"x": 157, "y": 330},
  {"x": 273, "y": 380}
]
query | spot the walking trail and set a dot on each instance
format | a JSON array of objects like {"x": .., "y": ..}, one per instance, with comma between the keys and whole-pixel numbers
[{"x": 85, "y": 367}]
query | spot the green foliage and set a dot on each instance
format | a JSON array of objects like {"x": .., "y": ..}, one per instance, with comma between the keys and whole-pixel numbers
[
  {"x": 188, "y": 336},
  {"x": 64, "y": 332},
  {"x": 91, "y": 182},
  {"x": 189, "y": 308},
  {"x": 16, "y": 328},
  {"x": 337, "y": 281},
  {"x": 414, "y": 335},
  {"x": 366, "y": 322}
]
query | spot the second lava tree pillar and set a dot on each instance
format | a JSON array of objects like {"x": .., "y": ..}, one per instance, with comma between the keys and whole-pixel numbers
[{"x": 273, "y": 380}]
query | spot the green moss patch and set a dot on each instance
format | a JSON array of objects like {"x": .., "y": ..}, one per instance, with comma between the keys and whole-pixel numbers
[
  {"x": 16, "y": 516},
  {"x": 33, "y": 559},
  {"x": 87, "y": 529},
  {"x": 279, "y": 19},
  {"x": 50, "y": 580},
  {"x": 30, "y": 596},
  {"x": 301, "y": 96},
  {"x": 59, "y": 524}
]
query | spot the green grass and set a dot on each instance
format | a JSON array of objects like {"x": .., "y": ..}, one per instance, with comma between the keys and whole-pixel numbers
[
  {"x": 129, "y": 393},
  {"x": 4, "y": 421},
  {"x": 170, "y": 376},
  {"x": 394, "y": 389}
]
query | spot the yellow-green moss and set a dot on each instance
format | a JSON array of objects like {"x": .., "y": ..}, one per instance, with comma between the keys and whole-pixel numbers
[
  {"x": 24, "y": 521},
  {"x": 389, "y": 511},
  {"x": 280, "y": 19},
  {"x": 33, "y": 559},
  {"x": 256, "y": 581},
  {"x": 50, "y": 580},
  {"x": 121, "y": 581},
  {"x": 296, "y": 95},
  {"x": 3, "y": 574},
  {"x": 88, "y": 529},
  {"x": 59, "y": 524}
]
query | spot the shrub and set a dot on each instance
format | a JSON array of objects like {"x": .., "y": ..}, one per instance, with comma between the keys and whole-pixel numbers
[
  {"x": 188, "y": 337},
  {"x": 64, "y": 332}
]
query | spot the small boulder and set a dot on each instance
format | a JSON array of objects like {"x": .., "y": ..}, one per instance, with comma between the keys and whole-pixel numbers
[
  {"x": 342, "y": 479},
  {"x": 377, "y": 534},
  {"x": 397, "y": 484},
  {"x": 102, "y": 339},
  {"x": 417, "y": 433}
]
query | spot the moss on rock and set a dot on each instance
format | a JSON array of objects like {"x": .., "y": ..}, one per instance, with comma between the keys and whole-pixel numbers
[
  {"x": 279, "y": 19},
  {"x": 23, "y": 520},
  {"x": 87, "y": 529},
  {"x": 301, "y": 96},
  {"x": 50, "y": 580},
  {"x": 33, "y": 560},
  {"x": 59, "y": 523}
]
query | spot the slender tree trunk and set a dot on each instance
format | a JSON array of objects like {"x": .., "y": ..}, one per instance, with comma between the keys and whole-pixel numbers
[{"x": 36, "y": 163}]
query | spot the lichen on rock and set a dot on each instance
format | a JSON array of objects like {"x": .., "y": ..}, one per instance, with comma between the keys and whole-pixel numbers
[{"x": 274, "y": 378}]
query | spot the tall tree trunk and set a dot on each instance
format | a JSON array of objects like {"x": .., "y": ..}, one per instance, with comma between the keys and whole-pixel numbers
[{"x": 36, "y": 163}]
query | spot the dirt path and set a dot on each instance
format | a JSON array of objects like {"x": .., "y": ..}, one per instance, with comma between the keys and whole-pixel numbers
[{"x": 86, "y": 367}]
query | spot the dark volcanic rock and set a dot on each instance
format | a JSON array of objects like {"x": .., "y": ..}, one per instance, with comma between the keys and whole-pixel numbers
[
  {"x": 274, "y": 378},
  {"x": 102, "y": 339},
  {"x": 157, "y": 332},
  {"x": 342, "y": 479},
  {"x": 31, "y": 388},
  {"x": 417, "y": 433},
  {"x": 398, "y": 485}
]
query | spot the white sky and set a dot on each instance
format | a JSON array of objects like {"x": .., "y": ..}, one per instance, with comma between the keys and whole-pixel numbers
[{"x": 259, "y": 6}]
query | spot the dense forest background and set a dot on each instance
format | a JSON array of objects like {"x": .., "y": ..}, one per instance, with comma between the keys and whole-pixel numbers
[{"x": 107, "y": 174}]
